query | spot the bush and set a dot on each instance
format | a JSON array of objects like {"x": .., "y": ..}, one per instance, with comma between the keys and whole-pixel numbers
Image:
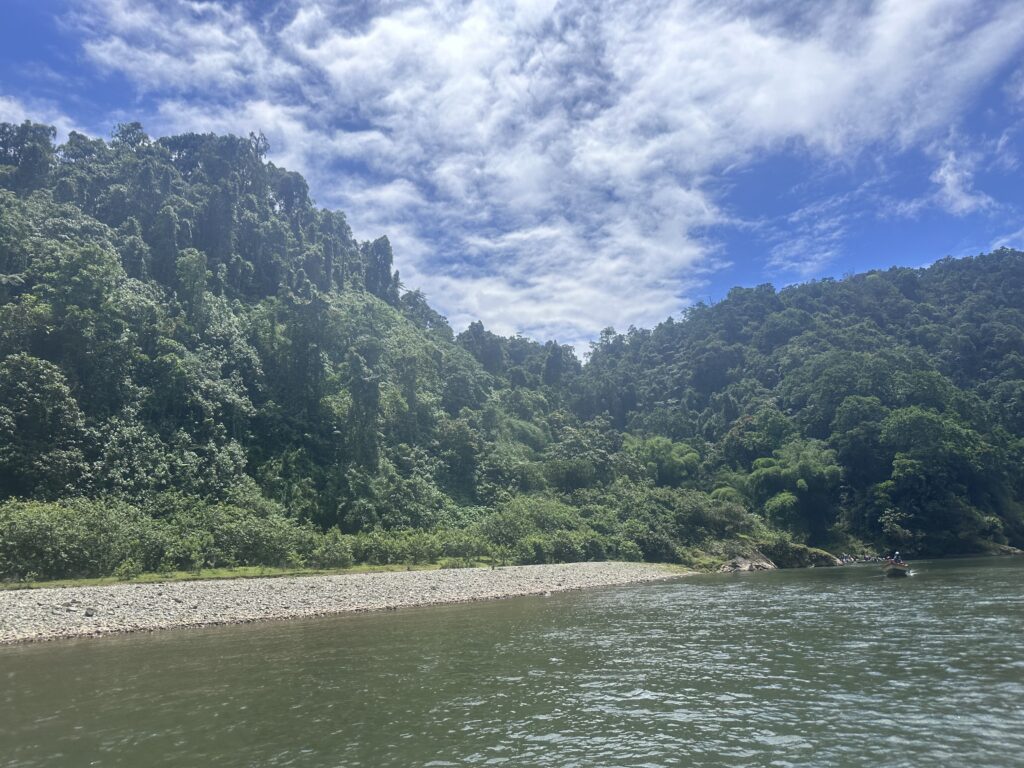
[
  {"x": 378, "y": 547},
  {"x": 698, "y": 559},
  {"x": 193, "y": 552},
  {"x": 567, "y": 547},
  {"x": 226, "y": 535},
  {"x": 422, "y": 547},
  {"x": 333, "y": 550},
  {"x": 595, "y": 546},
  {"x": 75, "y": 539},
  {"x": 786, "y": 553},
  {"x": 628, "y": 550},
  {"x": 118, "y": 531},
  {"x": 251, "y": 540},
  {"x": 653, "y": 542},
  {"x": 128, "y": 570},
  {"x": 42, "y": 540},
  {"x": 463, "y": 545},
  {"x": 534, "y": 549}
]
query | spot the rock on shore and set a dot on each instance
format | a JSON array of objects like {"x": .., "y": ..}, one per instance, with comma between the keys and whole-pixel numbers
[
  {"x": 755, "y": 562},
  {"x": 49, "y": 614}
]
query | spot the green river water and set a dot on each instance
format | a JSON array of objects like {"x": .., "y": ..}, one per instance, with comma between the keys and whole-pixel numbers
[{"x": 824, "y": 667}]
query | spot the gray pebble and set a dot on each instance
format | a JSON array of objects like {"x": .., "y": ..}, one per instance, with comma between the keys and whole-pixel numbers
[{"x": 46, "y": 614}]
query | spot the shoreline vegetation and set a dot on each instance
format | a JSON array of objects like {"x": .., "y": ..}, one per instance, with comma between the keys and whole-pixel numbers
[
  {"x": 81, "y": 542},
  {"x": 35, "y": 615},
  {"x": 751, "y": 560}
]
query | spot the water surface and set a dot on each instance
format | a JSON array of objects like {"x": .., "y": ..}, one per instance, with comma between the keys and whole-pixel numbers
[{"x": 838, "y": 667}]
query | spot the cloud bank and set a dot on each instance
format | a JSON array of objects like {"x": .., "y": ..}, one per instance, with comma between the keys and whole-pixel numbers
[{"x": 552, "y": 167}]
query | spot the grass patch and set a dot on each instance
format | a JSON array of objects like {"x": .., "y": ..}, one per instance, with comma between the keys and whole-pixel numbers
[
  {"x": 264, "y": 572},
  {"x": 241, "y": 572}
]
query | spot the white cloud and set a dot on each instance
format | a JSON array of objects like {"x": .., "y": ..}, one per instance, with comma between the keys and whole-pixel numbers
[
  {"x": 811, "y": 238},
  {"x": 956, "y": 162},
  {"x": 180, "y": 46},
  {"x": 546, "y": 166},
  {"x": 955, "y": 180},
  {"x": 1009, "y": 240},
  {"x": 14, "y": 110}
]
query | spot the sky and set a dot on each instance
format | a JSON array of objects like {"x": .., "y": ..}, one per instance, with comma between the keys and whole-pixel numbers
[{"x": 554, "y": 168}]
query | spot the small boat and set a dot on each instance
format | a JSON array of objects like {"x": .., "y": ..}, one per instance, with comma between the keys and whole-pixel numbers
[{"x": 895, "y": 568}]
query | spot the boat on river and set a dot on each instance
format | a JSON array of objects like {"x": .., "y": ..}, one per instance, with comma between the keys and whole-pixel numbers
[{"x": 895, "y": 568}]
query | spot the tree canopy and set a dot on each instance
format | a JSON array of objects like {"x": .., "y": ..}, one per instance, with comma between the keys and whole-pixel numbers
[{"x": 188, "y": 344}]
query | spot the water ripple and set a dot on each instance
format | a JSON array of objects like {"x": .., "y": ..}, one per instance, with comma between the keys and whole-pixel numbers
[{"x": 825, "y": 667}]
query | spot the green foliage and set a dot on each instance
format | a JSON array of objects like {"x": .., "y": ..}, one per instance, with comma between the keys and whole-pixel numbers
[
  {"x": 665, "y": 462},
  {"x": 41, "y": 430},
  {"x": 333, "y": 550},
  {"x": 128, "y": 570},
  {"x": 78, "y": 538},
  {"x": 799, "y": 488},
  {"x": 756, "y": 436},
  {"x": 199, "y": 368}
]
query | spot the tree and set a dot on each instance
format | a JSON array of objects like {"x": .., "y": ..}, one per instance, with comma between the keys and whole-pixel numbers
[
  {"x": 26, "y": 155},
  {"x": 183, "y": 332},
  {"x": 42, "y": 431},
  {"x": 192, "y": 277},
  {"x": 799, "y": 488},
  {"x": 757, "y": 436},
  {"x": 130, "y": 136},
  {"x": 379, "y": 279},
  {"x": 364, "y": 418},
  {"x": 666, "y": 462},
  {"x": 164, "y": 246}
]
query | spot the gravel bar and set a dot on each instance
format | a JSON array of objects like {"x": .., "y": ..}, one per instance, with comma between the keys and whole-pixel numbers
[{"x": 48, "y": 614}]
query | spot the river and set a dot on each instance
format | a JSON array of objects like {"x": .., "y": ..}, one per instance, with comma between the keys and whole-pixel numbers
[{"x": 821, "y": 667}]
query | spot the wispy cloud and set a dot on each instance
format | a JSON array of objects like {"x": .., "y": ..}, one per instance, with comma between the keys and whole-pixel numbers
[
  {"x": 545, "y": 165},
  {"x": 1009, "y": 240},
  {"x": 955, "y": 181},
  {"x": 956, "y": 161},
  {"x": 812, "y": 238},
  {"x": 14, "y": 110}
]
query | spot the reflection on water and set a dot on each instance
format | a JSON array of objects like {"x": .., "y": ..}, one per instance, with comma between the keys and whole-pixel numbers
[{"x": 838, "y": 667}]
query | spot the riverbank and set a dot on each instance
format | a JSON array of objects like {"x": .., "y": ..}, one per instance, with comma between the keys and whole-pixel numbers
[
  {"x": 220, "y": 574},
  {"x": 50, "y": 614}
]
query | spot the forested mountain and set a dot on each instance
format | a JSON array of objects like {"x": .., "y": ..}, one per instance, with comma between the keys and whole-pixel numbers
[{"x": 198, "y": 366}]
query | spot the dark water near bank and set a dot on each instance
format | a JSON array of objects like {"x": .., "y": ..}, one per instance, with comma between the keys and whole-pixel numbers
[{"x": 827, "y": 667}]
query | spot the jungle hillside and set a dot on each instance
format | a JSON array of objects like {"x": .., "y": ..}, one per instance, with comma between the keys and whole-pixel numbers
[{"x": 200, "y": 368}]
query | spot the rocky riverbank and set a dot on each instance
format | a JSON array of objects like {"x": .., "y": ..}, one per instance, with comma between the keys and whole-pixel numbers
[{"x": 49, "y": 614}]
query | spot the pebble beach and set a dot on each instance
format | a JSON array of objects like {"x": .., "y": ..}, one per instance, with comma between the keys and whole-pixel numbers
[{"x": 32, "y": 615}]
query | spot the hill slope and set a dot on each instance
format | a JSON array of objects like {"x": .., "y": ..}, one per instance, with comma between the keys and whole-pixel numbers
[{"x": 198, "y": 366}]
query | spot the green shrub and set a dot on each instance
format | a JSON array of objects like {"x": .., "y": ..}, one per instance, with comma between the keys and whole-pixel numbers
[
  {"x": 76, "y": 538},
  {"x": 42, "y": 539},
  {"x": 378, "y": 547},
  {"x": 698, "y": 559},
  {"x": 595, "y": 546},
  {"x": 333, "y": 550},
  {"x": 251, "y": 540},
  {"x": 534, "y": 549},
  {"x": 463, "y": 545},
  {"x": 626, "y": 549},
  {"x": 128, "y": 569},
  {"x": 422, "y": 547},
  {"x": 567, "y": 547},
  {"x": 226, "y": 535}
]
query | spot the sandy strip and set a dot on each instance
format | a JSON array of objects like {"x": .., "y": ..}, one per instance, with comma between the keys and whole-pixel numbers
[{"x": 48, "y": 614}]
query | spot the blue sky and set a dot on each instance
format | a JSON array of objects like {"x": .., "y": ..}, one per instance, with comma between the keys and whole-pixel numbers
[{"x": 557, "y": 167}]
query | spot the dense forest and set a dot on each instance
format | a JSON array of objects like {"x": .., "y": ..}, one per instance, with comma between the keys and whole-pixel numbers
[{"x": 199, "y": 368}]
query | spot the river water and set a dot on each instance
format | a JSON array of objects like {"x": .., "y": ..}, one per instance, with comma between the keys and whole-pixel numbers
[{"x": 822, "y": 667}]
